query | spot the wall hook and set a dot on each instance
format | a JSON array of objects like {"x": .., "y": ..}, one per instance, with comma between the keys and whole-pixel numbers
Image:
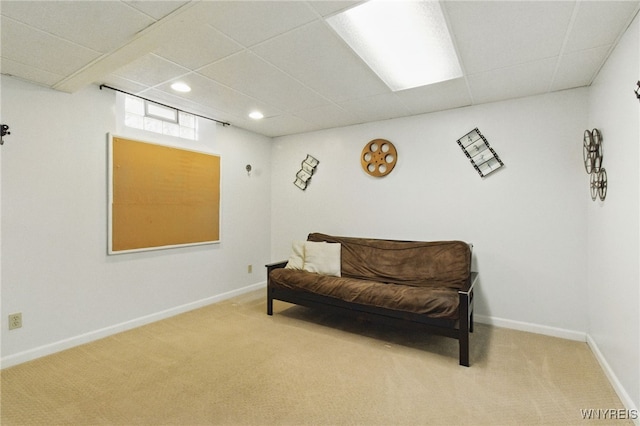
[{"x": 4, "y": 130}]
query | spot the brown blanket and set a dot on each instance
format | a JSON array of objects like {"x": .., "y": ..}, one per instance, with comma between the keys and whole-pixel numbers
[
  {"x": 436, "y": 302},
  {"x": 415, "y": 263}
]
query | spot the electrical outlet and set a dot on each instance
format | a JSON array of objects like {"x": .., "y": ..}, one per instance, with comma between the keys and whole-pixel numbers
[
  {"x": 15, "y": 321},
  {"x": 250, "y": 269}
]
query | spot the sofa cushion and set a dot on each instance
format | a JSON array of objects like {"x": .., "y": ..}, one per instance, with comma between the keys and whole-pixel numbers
[
  {"x": 436, "y": 302},
  {"x": 296, "y": 260},
  {"x": 415, "y": 263},
  {"x": 322, "y": 258}
]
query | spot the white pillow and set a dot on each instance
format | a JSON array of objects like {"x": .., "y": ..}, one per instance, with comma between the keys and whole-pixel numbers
[
  {"x": 322, "y": 258},
  {"x": 296, "y": 260}
]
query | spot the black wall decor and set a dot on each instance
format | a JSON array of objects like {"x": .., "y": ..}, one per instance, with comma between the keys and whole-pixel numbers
[
  {"x": 483, "y": 158},
  {"x": 592, "y": 156},
  {"x": 4, "y": 131},
  {"x": 304, "y": 174}
]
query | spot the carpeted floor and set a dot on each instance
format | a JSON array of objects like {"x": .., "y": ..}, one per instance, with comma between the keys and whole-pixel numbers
[{"x": 231, "y": 364}]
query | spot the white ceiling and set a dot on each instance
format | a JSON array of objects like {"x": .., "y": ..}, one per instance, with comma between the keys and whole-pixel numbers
[{"x": 281, "y": 57}]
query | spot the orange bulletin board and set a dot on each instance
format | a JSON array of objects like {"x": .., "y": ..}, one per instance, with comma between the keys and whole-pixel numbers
[{"x": 161, "y": 197}]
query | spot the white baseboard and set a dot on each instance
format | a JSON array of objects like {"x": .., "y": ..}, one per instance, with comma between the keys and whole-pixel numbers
[
  {"x": 613, "y": 379},
  {"x": 532, "y": 328},
  {"x": 570, "y": 335},
  {"x": 91, "y": 336}
]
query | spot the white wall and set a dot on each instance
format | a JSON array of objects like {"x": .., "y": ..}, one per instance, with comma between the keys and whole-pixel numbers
[
  {"x": 55, "y": 269},
  {"x": 614, "y": 234},
  {"x": 528, "y": 221},
  {"x": 549, "y": 258}
]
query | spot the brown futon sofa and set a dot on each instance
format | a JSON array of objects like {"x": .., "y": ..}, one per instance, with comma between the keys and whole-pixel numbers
[{"x": 429, "y": 283}]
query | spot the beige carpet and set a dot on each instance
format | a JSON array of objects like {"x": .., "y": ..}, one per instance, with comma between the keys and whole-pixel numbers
[{"x": 232, "y": 364}]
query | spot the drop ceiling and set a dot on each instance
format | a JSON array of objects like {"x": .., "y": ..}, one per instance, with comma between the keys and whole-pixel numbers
[{"x": 282, "y": 58}]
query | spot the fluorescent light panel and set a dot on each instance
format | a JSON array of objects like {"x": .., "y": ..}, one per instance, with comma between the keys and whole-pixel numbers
[{"x": 406, "y": 43}]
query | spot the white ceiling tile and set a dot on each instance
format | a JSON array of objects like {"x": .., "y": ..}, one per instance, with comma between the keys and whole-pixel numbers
[
  {"x": 326, "y": 8},
  {"x": 497, "y": 34},
  {"x": 379, "y": 107},
  {"x": 513, "y": 82},
  {"x": 260, "y": 80},
  {"x": 579, "y": 68},
  {"x": 287, "y": 124},
  {"x": 436, "y": 97},
  {"x": 313, "y": 54},
  {"x": 40, "y": 50},
  {"x": 328, "y": 116},
  {"x": 122, "y": 84},
  {"x": 251, "y": 22},
  {"x": 150, "y": 70},
  {"x": 598, "y": 23},
  {"x": 156, "y": 9},
  {"x": 140, "y": 45},
  {"x": 208, "y": 92},
  {"x": 26, "y": 72},
  {"x": 98, "y": 25},
  {"x": 235, "y": 107},
  {"x": 197, "y": 47}
]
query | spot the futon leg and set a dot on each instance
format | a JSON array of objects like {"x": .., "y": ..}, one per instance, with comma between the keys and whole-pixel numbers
[
  {"x": 464, "y": 329},
  {"x": 464, "y": 349},
  {"x": 269, "y": 304}
]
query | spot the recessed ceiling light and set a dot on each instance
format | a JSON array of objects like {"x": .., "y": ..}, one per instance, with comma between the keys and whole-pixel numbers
[
  {"x": 256, "y": 115},
  {"x": 181, "y": 87},
  {"x": 406, "y": 43}
]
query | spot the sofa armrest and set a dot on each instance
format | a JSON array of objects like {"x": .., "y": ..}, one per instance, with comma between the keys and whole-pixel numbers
[
  {"x": 275, "y": 265},
  {"x": 473, "y": 278},
  {"x": 270, "y": 267}
]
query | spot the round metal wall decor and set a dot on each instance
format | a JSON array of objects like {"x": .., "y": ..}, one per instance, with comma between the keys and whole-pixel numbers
[
  {"x": 599, "y": 184},
  {"x": 592, "y": 150},
  {"x": 592, "y": 157},
  {"x": 379, "y": 157}
]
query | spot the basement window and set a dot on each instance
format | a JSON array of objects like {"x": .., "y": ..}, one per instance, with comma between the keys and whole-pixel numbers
[{"x": 146, "y": 115}]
